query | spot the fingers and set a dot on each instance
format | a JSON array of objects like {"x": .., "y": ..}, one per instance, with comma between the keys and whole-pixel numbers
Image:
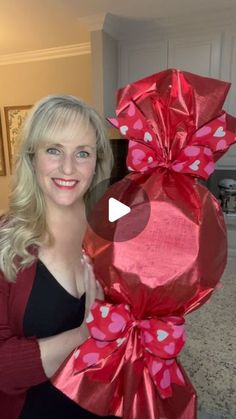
[
  {"x": 90, "y": 287},
  {"x": 86, "y": 258},
  {"x": 95, "y": 285}
]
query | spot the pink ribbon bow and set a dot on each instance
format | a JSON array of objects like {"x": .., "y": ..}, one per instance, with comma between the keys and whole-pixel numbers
[
  {"x": 160, "y": 340},
  {"x": 191, "y": 152}
]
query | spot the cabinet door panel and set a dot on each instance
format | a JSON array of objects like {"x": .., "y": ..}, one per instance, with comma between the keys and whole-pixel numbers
[
  {"x": 196, "y": 54},
  {"x": 141, "y": 60},
  {"x": 229, "y": 73}
]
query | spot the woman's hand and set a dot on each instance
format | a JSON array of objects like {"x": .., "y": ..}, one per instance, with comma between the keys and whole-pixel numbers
[
  {"x": 93, "y": 290},
  {"x": 92, "y": 287}
]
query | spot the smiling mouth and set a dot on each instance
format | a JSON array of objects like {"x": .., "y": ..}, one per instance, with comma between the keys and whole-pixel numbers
[{"x": 65, "y": 184}]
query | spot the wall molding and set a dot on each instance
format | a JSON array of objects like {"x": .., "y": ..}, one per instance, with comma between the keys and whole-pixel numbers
[
  {"x": 46, "y": 54},
  {"x": 161, "y": 28},
  {"x": 93, "y": 22}
]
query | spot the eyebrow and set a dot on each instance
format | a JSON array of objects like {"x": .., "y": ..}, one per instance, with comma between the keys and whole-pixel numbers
[{"x": 77, "y": 148}]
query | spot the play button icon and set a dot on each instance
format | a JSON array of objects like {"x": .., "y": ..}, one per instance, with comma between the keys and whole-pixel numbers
[{"x": 117, "y": 210}]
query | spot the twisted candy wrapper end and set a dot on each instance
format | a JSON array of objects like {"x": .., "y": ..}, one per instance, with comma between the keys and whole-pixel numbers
[
  {"x": 175, "y": 120},
  {"x": 143, "y": 355}
]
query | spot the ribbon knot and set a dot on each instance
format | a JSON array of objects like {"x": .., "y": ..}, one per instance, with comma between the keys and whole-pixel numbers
[
  {"x": 167, "y": 164},
  {"x": 160, "y": 341},
  {"x": 195, "y": 155}
]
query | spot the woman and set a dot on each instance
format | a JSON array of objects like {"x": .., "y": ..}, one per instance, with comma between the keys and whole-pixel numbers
[{"x": 44, "y": 276}]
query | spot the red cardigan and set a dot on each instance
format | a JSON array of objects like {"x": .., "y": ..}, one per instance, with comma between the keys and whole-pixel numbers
[{"x": 20, "y": 362}]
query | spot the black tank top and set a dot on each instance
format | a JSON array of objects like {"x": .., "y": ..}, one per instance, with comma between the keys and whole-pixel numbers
[{"x": 51, "y": 310}]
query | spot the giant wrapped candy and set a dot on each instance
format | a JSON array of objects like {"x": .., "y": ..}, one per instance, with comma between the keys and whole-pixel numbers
[{"x": 128, "y": 367}]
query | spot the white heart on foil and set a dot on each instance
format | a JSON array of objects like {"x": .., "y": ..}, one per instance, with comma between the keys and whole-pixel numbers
[
  {"x": 161, "y": 335},
  {"x": 124, "y": 129},
  {"x": 219, "y": 132},
  {"x": 195, "y": 165},
  {"x": 150, "y": 159},
  {"x": 147, "y": 137},
  {"x": 105, "y": 311},
  {"x": 119, "y": 341}
]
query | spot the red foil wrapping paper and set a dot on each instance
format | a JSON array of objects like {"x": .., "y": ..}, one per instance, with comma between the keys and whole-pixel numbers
[{"x": 176, "y": 130}]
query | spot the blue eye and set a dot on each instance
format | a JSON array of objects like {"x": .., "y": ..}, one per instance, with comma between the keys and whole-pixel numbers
[
  {"x": 52, "y": 150},
  {"x": 83, "y": 154}
]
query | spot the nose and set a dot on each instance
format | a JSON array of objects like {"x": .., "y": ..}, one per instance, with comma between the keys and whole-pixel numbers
[{"x": 67, "y": 164}]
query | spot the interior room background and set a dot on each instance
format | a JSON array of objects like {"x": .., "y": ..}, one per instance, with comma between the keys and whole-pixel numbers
[{"x": 118, "y": 51}]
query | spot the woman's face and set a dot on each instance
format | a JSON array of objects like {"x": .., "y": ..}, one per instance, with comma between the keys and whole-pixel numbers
[{"x": 65, "y": 170}]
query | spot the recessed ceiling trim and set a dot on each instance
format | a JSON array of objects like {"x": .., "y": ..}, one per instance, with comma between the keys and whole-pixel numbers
[
  {"x": 46, "y": 54},
  {"x": 93, "y": 22}
]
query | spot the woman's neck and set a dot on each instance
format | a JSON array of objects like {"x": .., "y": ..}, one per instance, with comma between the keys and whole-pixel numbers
[{"x": 67, "y": 226}]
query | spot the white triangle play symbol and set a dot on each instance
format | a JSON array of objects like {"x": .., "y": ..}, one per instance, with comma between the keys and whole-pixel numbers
[{"x": 116, "y": 209}]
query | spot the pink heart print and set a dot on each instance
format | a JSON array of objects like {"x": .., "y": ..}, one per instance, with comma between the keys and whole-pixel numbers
[
  {"x": 178, "y": 167},
  {"x": 132, "y": 143},
  {"x": 221, "y": 145},
  {"x": 131, "y": 110},
  {"x": 156, "y": 367},
  {"x": 210, "y": 167},
  {"x": 138, "y": 156},
  {"x": 114, "y": 122},
  {"x": 165, "y": 382},
  {"x": 101, "y": 344},
  {"x": 170, "y": 349},
  {"x": 118, "y": 323},
  {"x": 147, "y": 337},
  {"x": 178, "y": 330},
  {"x": 145, "y": 324},
  {"x": 91, "y": 358},
  {"x": 97, "y": 334},
  {"x": 138, "y": 124},
  {"x": 207, "y": 151},
  {"x": 203, "y": 131},
  {"x": 191, "y": 151}
]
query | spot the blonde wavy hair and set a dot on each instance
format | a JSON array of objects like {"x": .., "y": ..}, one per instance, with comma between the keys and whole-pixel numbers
[{"x": 24, "y": 227}]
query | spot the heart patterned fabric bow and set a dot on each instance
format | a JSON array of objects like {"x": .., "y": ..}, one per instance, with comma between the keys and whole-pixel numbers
[
  {"x": 196, "y": 157},
  {"x": 160, "y": 340}
]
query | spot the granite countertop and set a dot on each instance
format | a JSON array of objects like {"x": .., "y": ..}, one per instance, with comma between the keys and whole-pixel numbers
[{"x": 210, "y": 352}]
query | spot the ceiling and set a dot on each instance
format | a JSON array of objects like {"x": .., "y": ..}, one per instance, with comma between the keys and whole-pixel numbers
[{"x": 28, "y": 25}]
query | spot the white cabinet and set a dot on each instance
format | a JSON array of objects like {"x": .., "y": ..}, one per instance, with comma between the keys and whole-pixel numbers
[
  {"x": 141, "y": 60},
  {"x": 196, "y": 54},
  {"x": 228, "y": 72},
  {"x": 210, "y": 53}
]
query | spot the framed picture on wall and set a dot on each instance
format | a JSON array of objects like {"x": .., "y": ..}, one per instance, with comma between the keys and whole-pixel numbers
[
  {"x": 2, "y": 157},
  {"x": 14, "y": 117}
]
